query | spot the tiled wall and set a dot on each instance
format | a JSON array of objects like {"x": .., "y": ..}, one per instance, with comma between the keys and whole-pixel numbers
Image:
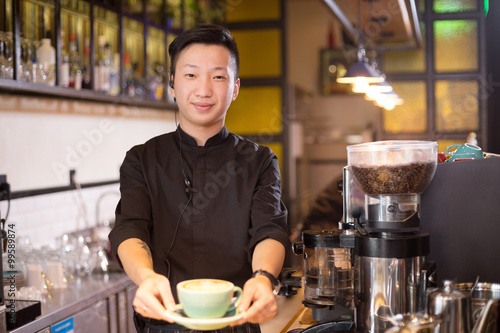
[{"x": 46, "y": 217}]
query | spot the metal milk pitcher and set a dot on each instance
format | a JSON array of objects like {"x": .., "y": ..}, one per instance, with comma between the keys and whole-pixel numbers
[{"x": 454, "y": 307}]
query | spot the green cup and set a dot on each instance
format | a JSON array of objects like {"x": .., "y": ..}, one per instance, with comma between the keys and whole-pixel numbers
[{"x": 208, "y": 298}]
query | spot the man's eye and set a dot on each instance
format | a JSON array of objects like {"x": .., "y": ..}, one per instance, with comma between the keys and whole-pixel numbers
[
  {"x": 190, "y": 75},
  {"x": 219, "y": 77}
]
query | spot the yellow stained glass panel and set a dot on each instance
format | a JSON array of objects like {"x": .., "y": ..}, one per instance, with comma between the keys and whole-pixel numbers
[
  {"x": 457, "y": 106},
  {"x": 260, "y": 52},
  {"x": 257, "y": 110},
  {"x": 443, "y": 144},
  {"x": 277, "y": 148},
  {"x": 454, "y": 6},
  {"x": 254, "y": 10},
  {"x": 456, "y": 48},
  {"x": 412, "y": 61},
  {"x": 411, "y": 117}
]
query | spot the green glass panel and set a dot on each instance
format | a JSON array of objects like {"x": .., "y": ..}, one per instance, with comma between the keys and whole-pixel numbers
[
  {"x": 456, "y": 46},
  {"x": 454, "y": 6},
  {"x": 411, "y": 61},
  {"x": 411, "y": 117},
  {"x": 457, "y": 106}
]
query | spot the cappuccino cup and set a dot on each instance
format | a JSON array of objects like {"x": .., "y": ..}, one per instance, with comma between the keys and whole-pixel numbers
[{"x": 208, "y": 298}]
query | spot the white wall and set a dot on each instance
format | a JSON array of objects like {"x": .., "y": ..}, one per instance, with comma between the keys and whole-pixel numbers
[{"x": 41, "y": 139}]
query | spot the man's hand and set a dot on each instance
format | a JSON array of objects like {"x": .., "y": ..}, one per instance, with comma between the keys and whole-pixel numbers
[
  {"x": 154, "y": 297},
  {"x": 258, "y": 301}
]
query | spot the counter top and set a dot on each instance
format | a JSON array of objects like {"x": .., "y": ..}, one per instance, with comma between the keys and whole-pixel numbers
[
  {"x": 88, "y": 290},
  {"x": 80, "y": 294},
  {"x": 289, "y": 308}
]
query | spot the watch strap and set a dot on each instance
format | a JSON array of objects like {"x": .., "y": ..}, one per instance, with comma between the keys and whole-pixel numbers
[{"x": 274, "y": 281}]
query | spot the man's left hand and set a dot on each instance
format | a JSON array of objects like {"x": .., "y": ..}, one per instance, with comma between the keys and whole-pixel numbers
[{"x": 258, "y": 301}]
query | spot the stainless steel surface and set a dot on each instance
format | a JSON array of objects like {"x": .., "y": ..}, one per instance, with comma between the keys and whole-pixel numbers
[
  {"x": 386, "y": 287},
  {"x": 480, "y": 295},
  {"x": 81, "y": 294},
  {"x": 454, "y": 305},
  {"x": 489, "y": 318}
]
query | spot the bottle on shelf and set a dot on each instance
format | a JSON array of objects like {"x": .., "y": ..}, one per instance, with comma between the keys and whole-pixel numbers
[
  {"x": 46, "y": 58},
  {"x": 114, "y": 72},
  {"x": 38, "y": 75},
  {"x": 75, "y": 72},
  {"x": 86, "y": 77},
  {"x": 103, "y": 70},
  {"x": 64, "y": 64},
  {"x": 127, "y": 83}
]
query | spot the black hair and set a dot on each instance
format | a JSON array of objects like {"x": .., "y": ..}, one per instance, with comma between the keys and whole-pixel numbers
[{"x": 209, "y": 34}]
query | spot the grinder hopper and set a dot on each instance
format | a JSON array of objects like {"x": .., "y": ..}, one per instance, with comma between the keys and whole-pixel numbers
[{"x": 392, "y": 175}]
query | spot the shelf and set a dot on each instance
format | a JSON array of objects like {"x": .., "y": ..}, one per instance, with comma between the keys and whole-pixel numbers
[{"x": 25, "y": 88}]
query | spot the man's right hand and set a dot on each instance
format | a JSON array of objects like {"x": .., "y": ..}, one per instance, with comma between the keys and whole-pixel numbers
[
  {"x": 154, "y": 297},
  {"x": 154, "y": 294}
]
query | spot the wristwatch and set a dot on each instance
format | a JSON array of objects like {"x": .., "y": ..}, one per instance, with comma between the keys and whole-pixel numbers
[{"x": 274, "y": 281}]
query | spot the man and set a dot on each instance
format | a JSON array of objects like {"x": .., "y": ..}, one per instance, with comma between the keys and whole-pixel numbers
[{"x": 201, "y": 202}]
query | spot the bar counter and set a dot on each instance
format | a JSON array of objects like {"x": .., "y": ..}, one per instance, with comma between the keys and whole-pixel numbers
[
  {"x": 107, "y": 298},
  {"x": 108, "y": 294}
]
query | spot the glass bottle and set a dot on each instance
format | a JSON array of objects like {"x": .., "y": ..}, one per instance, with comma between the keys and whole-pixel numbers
[
  {"x": 46, "y": 57},
  {"x": 65, "y": 64},
  {"x": 86, "y": 78},
  {"x": 75, "y": 72}
]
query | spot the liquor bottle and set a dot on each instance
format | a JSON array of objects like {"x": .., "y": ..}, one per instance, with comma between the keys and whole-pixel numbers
[
  {"x": 114, "y": 73},
  {"x": 65, "y": 63},
  {"x": 46, "y": 57},
  {"x": 103, "y": 66},
  {"x": 86, "y": 77},
  {"x": 75, "y": 72}
]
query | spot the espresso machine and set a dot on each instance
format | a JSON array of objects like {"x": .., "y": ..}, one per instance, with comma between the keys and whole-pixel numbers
[
  {"x": 392, "y": 272},
  {"x": 374, "y": 267}
]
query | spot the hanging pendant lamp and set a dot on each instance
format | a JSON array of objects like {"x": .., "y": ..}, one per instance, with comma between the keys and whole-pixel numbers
[{"x": 361, "y": 72}]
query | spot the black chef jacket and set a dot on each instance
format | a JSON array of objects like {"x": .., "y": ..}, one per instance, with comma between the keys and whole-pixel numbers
[{"x": 236, "y": 204}]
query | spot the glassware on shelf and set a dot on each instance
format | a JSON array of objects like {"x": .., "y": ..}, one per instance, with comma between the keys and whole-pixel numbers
[
  {"x": 65, "y": 64},
  {"x": 86, "y": 77},
  {"x": 46, "y": 57},
  {"x": 6, "y": 69},
  {"x": 75, "y": 72}
]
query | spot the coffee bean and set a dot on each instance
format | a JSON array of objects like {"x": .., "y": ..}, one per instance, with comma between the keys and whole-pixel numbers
[{"x": 399, "y": 179}]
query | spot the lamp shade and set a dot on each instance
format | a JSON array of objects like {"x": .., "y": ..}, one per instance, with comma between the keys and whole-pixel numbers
[{"x": 360, "y": 69}]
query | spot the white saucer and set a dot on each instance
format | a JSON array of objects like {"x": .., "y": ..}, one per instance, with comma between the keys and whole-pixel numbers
[{"x": 203, "y": 324}]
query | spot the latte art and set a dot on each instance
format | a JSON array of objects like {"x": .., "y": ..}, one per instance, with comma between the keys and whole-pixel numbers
[{"x": 207, "y": 285}]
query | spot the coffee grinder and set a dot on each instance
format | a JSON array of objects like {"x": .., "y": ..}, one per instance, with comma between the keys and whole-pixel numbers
[{"x": 391, "y": 270}]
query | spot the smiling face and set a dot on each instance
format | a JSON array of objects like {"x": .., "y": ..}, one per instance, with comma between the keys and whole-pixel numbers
[{"x": 204, "y": 87}]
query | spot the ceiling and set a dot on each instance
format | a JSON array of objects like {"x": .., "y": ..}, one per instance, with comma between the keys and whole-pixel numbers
[{"x": 386, "y": 24}]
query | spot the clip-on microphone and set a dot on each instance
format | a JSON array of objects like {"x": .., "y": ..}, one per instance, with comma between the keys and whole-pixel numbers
[{"x": 189, "y": 188}]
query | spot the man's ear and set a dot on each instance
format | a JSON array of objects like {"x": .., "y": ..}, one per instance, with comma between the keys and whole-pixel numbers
[
  {"x": 236, "y": 89},
  {"x": 171, "y": 86}
]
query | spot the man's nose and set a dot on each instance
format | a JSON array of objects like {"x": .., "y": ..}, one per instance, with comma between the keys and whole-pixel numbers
[{"x": 204, "y": 87}]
